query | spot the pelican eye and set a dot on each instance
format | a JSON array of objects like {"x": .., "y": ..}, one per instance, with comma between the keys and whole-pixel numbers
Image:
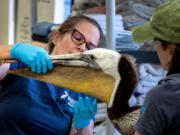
[{"x": 92, "y": 57}]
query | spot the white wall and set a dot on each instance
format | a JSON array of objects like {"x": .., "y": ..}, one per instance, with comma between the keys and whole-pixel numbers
[{"x": 4, "y": 22}]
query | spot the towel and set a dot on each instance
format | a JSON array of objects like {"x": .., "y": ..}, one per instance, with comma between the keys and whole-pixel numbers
[
  {"x": 143, "y": 89},
  {"x": 140, "y": 99},
  {"x": 145, "y": 69},
  {"x": 152, "y": 78},
  {"x": 132, "y": 101},
  {"x": 146, "y": 83}
]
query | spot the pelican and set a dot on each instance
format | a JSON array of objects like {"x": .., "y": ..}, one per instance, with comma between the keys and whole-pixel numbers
[{"x": 102, "y": 73}]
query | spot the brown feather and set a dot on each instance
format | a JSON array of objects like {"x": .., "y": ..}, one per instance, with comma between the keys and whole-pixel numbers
[{"x": 121, "y": 115}]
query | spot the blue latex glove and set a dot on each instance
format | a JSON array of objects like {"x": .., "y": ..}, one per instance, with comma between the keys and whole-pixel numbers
[
  {"x": 84, "y": 112},
  {"x": 36, "y": 57}
]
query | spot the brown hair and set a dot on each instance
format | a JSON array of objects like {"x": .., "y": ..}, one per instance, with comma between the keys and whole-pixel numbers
[
  {"x": 71, "y": 22},
  {"x": 175, "y": 61}
]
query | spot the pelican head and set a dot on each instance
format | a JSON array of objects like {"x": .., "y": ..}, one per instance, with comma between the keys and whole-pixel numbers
[{"x": 120, "y": 67}]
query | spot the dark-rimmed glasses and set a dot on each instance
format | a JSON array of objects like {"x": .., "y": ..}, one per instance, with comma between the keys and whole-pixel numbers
[{"x": 79, "y": 39}]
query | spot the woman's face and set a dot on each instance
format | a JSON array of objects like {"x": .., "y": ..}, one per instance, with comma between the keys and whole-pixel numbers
[
  {"x": 165, "y": 55},
  {"x": 63, "y": 44}
]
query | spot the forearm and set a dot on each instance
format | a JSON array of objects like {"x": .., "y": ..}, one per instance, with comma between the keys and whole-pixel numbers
[
  {"x": 5, "y": 51},
  {"x": 4, "y": 54},
  {"x": 85, "y": 131},
  {"x": 3, "y": 70}
]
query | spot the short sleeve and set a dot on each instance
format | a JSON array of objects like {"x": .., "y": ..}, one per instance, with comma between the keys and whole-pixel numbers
[{"x": 152, "y": 118}]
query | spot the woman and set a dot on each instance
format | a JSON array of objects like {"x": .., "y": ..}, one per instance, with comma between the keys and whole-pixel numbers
[
  {"x": 31, "y": 107},
  {"x": 160, "y": 111}
]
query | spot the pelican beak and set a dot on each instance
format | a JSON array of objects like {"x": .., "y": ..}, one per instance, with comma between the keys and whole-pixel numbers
[
  {"x": 79, "y": 73},
  {"x": 77, "y": 59}
]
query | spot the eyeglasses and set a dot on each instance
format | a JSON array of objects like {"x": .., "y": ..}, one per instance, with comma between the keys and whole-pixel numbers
[{"x": 79, "y": 39}]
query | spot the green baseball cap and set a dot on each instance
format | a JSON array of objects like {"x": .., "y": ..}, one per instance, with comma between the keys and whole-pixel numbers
[{"x": 164, "y": 24}]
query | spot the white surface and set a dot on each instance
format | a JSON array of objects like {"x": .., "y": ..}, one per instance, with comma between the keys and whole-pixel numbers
[
  {"x": 110, "y": 21},
  {"x": 11, "y": 22},
  {"x": 58, "y": 11}
]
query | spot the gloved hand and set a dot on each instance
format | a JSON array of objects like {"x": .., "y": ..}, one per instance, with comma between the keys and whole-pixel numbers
[
  {"x": 36, "y": 57},
  {"x": 84, "y": 112}
]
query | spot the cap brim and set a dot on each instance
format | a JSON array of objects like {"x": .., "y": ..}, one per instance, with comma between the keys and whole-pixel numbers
[{"x": 142, "y": 33}]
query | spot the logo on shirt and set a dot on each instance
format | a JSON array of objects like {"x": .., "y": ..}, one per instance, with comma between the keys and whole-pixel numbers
[
  {"x": 143, "y": 109},
  {"x": 70, "y": 101}
]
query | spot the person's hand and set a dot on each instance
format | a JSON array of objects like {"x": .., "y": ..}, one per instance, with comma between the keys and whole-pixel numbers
[
  {"x": 84, "y": 112},
  {"x": 36, "y": 57}
]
